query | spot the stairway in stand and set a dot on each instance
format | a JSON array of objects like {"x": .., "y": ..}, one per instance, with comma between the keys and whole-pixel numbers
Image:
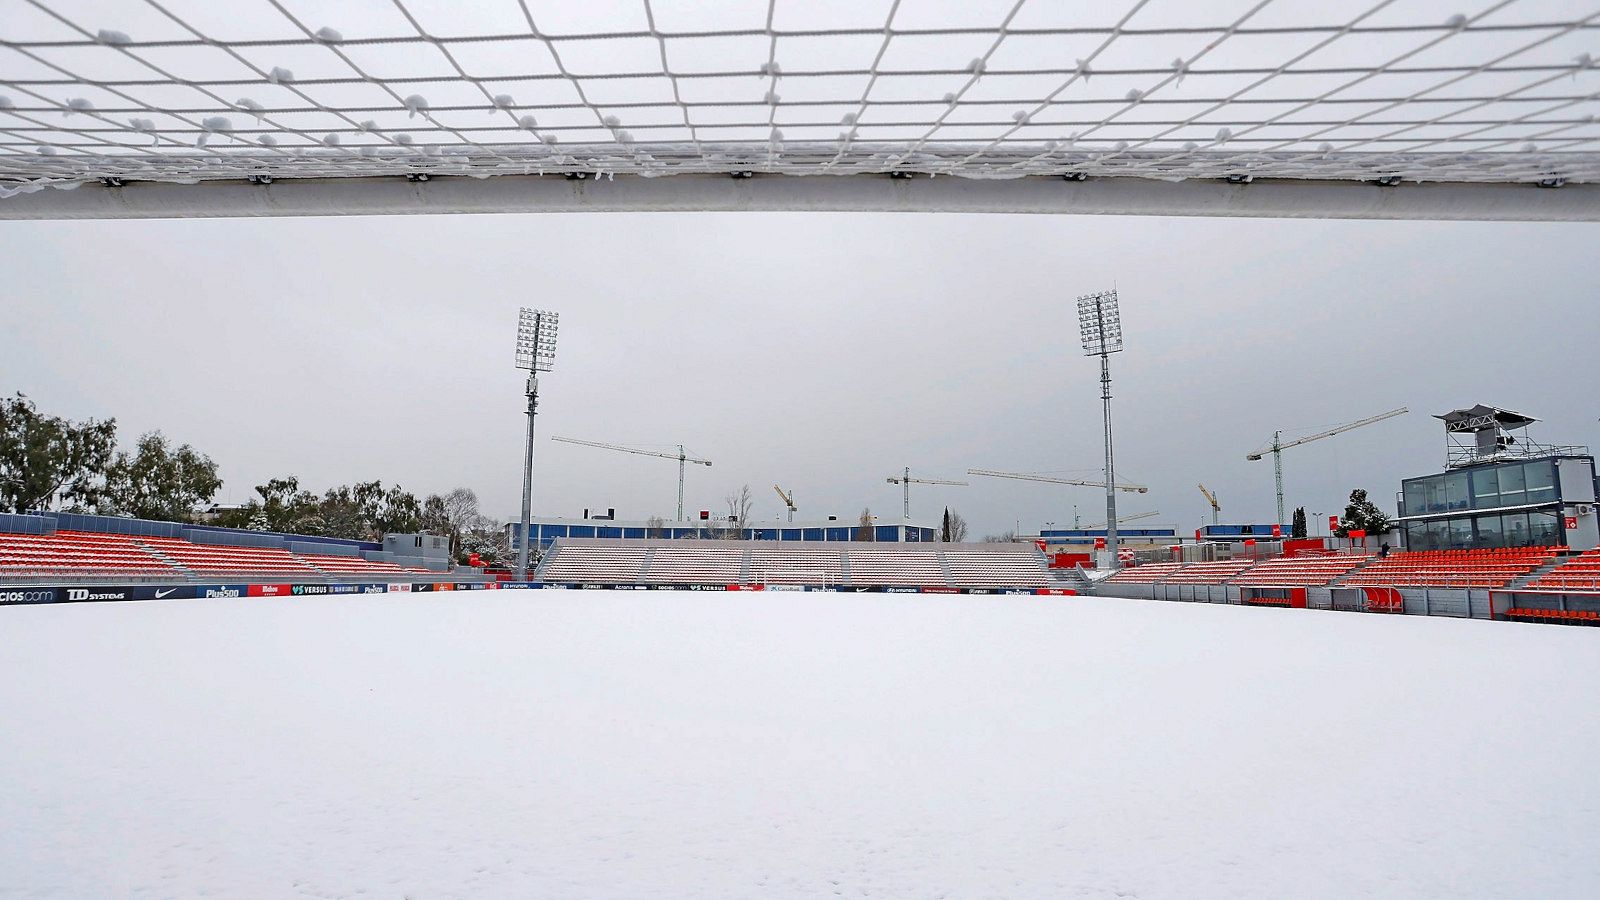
[{"x": 158, "y": 554}]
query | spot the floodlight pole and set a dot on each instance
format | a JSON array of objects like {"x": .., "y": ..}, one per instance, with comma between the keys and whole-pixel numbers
[
  {"x": 536, "y": 352},
  {"x": 1101, "y": 329},
  {"x": 1111, "y": 471},
  {"x": 527, "y": 478}
]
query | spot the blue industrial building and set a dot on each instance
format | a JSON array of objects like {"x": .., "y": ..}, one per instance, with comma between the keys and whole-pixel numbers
[{"x": 546, "y": 530}]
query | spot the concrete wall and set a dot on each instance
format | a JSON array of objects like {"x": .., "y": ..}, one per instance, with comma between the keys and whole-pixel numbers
[
  {"x": 231, "y": 538},
  {"x": 321, "y": 549}
]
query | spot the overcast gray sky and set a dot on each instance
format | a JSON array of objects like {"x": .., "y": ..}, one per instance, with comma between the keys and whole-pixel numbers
[{"x": 819, "y": 351}]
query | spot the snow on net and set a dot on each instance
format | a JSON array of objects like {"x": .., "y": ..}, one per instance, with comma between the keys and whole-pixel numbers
[{"x": 187, "y": 90}]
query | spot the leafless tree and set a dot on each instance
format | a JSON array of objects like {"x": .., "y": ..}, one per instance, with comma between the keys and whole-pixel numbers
[
  {"x": 739, "y": 503},
  {"x": 1005, "y": 537},
  {"x": 655, "y": 527},
  {"x": 452, "y": 515},
  {"x": 461, "y": 512},
  {"x": 865, "y": 531}
]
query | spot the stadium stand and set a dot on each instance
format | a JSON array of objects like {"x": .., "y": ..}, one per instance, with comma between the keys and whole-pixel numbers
[
  {"x": 1149, "y": 573},
  {"x": 78, "y": 554},
  {"x": 601, "y": 565},
  {"x": 900, "y": 566},
  {"x": 796, "y": 565},
  {"x": 84, "y": 554},
  {"x": 1300, "y": 571},
  {"x": 1579, "y": 573},
  {"x": 1554, "y": 616},
  {"x": 211, "y": 559},
  {"x": 1492, "y": 568},
  {"x": 1219, "y": 572},
  {"x": 973, "y": 568},
  {"x": 690, "y": 564},
  {"x": 627, "y": 561}
]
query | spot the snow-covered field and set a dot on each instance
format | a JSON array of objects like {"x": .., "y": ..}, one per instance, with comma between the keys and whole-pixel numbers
[{"x": 596, "y": 744}]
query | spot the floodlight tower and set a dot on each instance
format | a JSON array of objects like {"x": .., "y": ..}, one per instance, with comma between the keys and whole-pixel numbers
[
  {"x": 1100, "y": 324},
  {"x": 536, "y": 352}
]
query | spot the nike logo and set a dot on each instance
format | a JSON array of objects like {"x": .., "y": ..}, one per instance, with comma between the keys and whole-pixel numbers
[{"x": 161, "y": 593}]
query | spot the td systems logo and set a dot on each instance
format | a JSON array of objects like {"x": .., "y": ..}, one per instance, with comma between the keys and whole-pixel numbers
[{"x": 79, "y": 594}]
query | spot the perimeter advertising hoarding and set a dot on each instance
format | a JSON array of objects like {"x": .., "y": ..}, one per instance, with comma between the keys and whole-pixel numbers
[
  {"x": 30, "y": 595},
  {"x": 109, "y": 593}
]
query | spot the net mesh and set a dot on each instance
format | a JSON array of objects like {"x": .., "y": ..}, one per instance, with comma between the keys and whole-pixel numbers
[{"x": 187, "y": 90}]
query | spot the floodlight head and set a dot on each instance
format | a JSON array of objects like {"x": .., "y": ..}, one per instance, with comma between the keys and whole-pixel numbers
[
  {"x": 536, "y": 339},
  {"x": 1100, "y": 323}
]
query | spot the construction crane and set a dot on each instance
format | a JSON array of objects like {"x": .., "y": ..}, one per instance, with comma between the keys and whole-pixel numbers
[
  {"x": 788, "y": 500},
  {"x": 905, "y": 481},
  {"x": 1133, "y": 518},
  {"x": 1277, "y": 447},
  {"x": 682, "y": 458},
  {"x": 1051, "y": 479},
  {"x": 1212, "y": 499}
]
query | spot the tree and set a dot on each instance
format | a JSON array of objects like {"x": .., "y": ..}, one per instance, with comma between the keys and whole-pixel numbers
[
  {"x": 347, "y": 511},
  {"x": 158, "y": 481},
  {"x": 655, "y": 527},
  {"x": 1364, "y": 515},
  {"x": 451, "y": 515},
  {"x": 739, "y": 503},
  {"x": 864, "y": 530},
  {"x": 365, "y": 511},
  {"x": 1298, "y": 529},
  {"x": 285, "y": 507},
  {"x": 486, "y": 537},
  {"x": 435, "y": 520},
  {"x": 45, "y": 459},
  {"x": 953, "y": 529},
  {"x": 1004, "y": 537},
  {"x": 398, "y": 513}
]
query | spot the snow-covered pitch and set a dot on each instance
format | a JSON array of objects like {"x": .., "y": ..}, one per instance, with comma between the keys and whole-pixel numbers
[{"x": 656, "y": 744}]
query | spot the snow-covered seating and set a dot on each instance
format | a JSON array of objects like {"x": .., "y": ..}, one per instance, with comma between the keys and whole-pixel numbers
[
  {"x": 1021, "y": 567},
  {"x": 896, "y": 566},
  {"x": 590, "y": 564}
]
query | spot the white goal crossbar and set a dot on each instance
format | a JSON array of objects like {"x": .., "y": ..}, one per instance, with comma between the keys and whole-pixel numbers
[{"x": 1249, "y": 107}]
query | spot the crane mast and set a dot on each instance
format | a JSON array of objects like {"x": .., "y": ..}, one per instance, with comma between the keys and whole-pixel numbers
[
  {"x": 1278, "y": 445},
  {"x": 905, "y": 481},
  {"x": 681, "y": 456}
]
